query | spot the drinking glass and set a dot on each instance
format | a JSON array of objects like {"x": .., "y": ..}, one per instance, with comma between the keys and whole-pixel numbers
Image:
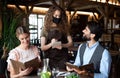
[{"x": 55, "y": 71}]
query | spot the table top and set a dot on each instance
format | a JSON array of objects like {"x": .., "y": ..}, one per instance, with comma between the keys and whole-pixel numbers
[
  {"x": 61, "y": 74},
  {"x": 35, "y": 76}
]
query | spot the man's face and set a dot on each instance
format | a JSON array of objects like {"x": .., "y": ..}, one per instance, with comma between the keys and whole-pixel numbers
[{"x": 86, "y": 34}]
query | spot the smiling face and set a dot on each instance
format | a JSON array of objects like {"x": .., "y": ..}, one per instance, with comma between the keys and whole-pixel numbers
[
  {"x": 23, "y": 35},
  {"x": 86, "y": 33},
  {"x": 24, "y": 39}
]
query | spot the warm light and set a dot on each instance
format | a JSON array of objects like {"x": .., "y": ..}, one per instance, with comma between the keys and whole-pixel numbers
[
  {"x": 44, "y": 10},
  {"x": 84, "y": 13},
  {"x": 103, "y": 1},
  {"x": 90, "y": 15},
  {"x": 113, "y": 2},
  {"x": 117, "y": 3},
  {"x": 35, "y": 9},
  {"x": 13, "y": 6}
]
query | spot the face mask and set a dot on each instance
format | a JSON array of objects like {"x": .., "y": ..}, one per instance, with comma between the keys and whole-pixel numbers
[{"x": 56, "y": 20}]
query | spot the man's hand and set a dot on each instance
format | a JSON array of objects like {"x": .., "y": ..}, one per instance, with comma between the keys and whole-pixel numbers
[
  {"x": 69, "y": 69},
  {"x": 82, "y": 72}
]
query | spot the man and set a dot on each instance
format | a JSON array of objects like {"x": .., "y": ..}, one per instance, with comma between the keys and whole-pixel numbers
[{"x": 92, "y": 52}]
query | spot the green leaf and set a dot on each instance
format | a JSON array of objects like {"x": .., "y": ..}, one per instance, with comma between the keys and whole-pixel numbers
[{"x": 10, "y": 21}]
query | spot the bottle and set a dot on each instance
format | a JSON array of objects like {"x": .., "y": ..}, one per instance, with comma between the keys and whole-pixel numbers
[{"x": 46, "y": 72}]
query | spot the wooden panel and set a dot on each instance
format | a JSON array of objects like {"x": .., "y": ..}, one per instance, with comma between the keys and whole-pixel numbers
[
  {"x": 117, "y": 38},
  {"x": 106, "y": 37}
]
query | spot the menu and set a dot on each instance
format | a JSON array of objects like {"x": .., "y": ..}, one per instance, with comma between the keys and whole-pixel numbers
[
  {"x": 87, "y": 67},
  {"x": 35, "y": 63}
]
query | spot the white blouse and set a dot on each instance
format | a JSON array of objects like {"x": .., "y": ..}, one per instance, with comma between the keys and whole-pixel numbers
[{"x": 23, "y": 55}]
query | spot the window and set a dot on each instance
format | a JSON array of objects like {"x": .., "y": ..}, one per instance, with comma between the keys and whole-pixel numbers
[{"x": 35, "y": 25}]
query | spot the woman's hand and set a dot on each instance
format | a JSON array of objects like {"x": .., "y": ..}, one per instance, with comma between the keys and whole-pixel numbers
[
  {"x": 58, "y": 47},
  {"x": 26, "y": 71},
  {"x": 56, "y": 44},
  {"x": 53, "y": 41}
]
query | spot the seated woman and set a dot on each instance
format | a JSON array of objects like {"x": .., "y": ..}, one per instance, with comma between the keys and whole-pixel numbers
[{"x": 23, "y": 52}]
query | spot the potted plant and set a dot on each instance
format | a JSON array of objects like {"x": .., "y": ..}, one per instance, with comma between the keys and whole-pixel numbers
[{"x": 10, "y": 20}]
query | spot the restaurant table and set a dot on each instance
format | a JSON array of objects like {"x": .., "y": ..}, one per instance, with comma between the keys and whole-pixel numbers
[
  {"x": 35, "y": 76},
  {"x": 60, "y": 76}
]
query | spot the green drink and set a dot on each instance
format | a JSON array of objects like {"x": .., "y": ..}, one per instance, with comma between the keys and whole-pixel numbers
[
  {"x": 45, "y": 75},
  {"x": 46, "y": 72}
]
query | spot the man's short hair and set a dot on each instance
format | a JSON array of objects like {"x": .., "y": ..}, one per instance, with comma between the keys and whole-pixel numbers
[{"x": 95, "y": 28}]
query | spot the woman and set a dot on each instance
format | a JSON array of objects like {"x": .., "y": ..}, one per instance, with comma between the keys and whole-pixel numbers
[
  {"x": 22, "y": 53},
  {"x": 56, "y": 19}
]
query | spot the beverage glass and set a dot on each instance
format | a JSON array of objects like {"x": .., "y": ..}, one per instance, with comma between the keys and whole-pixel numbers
[{"x": 55, "y": 71}]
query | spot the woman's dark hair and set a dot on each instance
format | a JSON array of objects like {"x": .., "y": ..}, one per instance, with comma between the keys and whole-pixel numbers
[
  {"x": 63, "y": 25},
  {"x": 21, "y": 30},
  {"x": 95, "y": 28}
]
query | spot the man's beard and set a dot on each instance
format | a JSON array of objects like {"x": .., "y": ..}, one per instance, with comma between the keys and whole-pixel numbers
[{"x": 85, "y": 38}]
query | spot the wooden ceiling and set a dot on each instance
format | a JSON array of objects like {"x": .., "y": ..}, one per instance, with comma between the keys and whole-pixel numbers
[
  {"x": 71, "y": 4},
  {"x": 68, "y": 4},
  {"x": 105, "y": 9}
]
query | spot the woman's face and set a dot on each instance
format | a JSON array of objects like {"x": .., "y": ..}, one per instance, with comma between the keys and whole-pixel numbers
[
  {"x": 24, "y": 39},
  {"x": 57, "y": 14},
  {"x": 57, "y": 17}
]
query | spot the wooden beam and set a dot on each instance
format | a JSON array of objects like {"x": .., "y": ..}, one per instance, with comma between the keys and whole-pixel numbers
[
  {"x": 101, "y": 10},
  {"x": 86, "y": 7},
  {"x": 69, "y": 3},
  {"x": 79, "y": 3},
  {"x": 69, "y": 18},
  {"x": 61, "y": 4},
  {"x": 19, "y": 8},
  {"x": 28, "y": 10},
  {"x": 54, "y": 2},
  {"x": 100, "y": 17},
  {"x": 106, "y": 18},
  {"x": 111, "y": 10},
  {"x": 95, "y": 16},
  {"x": 73, "y": 15}
]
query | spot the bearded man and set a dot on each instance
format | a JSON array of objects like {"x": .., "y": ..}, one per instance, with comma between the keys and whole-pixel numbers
[{"x": 92, "y": 52}]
